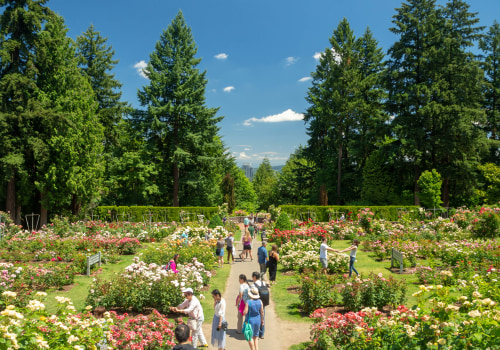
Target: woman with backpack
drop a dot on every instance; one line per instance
(254, 312)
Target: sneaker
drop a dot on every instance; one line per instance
(203, 346)
(261, 337)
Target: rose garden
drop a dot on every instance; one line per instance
(445, 298)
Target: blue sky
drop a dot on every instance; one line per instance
(258, 55)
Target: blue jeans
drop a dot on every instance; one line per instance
(351, 266)
(263, 326)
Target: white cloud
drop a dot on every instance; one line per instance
(140, 67)
(247, 149)
(241, 156)
(228, 88)
(291, 60)
(286, 116)
(304, 79)
(336, 56)
(221, 56)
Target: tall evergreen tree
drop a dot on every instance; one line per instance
(346, 112)
(20, 24)
(95, 58)
(490, 45)
(67, 138)
(181, 128)
(434, 91)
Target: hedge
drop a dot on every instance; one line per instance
(158, 214)
(302, 212)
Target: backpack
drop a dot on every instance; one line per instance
(166, 267)
(264, 294)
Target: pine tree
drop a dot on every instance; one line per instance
(181, 128)
(490, 45)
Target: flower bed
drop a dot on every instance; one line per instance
(143, 286)
(31, 327)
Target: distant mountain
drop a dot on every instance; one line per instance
(277, 168)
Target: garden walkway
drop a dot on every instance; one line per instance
(279, 335)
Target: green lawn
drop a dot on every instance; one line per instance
(287, 303)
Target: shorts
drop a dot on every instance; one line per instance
(247, 247)
(324, 262)
(229, 249)
(221, 252)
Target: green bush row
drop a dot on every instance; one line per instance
(158, 214)
(324, 213)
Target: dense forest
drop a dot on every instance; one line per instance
(381, 126)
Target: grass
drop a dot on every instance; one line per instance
(301, 346)
(287, 303)
(81, 284)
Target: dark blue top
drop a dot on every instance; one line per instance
(262, 254)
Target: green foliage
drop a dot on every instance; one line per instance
(487, 225)
(228, 194)
(296, 179)
(389, 213)
(264, 183)
(430, 189)
(283, 223)
(163, 214)
(377, 292)
(179, 127)
(318, 291)
(491, 191)
(215, 221)
(378, 186)
(490, 45)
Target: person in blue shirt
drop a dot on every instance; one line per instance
(245, 223)
(262, 259)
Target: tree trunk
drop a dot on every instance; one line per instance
(43, 212)
(446, 192)
(339, 173)
(416, 190)
(18, 218)
(75, 205)
(175, 193)
(10, 202)
(323, 195)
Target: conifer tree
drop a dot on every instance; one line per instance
(182, 130)
(20, 24)
(490, 45)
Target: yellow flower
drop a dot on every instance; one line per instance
(442, 341)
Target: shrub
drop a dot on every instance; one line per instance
(317, 291)
(487, 225)
(215, 221)
(375, 291)
(283, 222)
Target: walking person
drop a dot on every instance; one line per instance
(218, 332)
(323, 254)
(251, 230)
(241, 300)
(274, 257)
(220, 251)
(259, 283)
(262, 259)
(254, 312)
(230, 246)
(245, 223)
(353, 250)
(182, 333)
(247, 246)
(191, 306)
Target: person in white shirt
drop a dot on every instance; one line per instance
(241, 301)
(192, 307)
(218, 332)
(323, 254)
